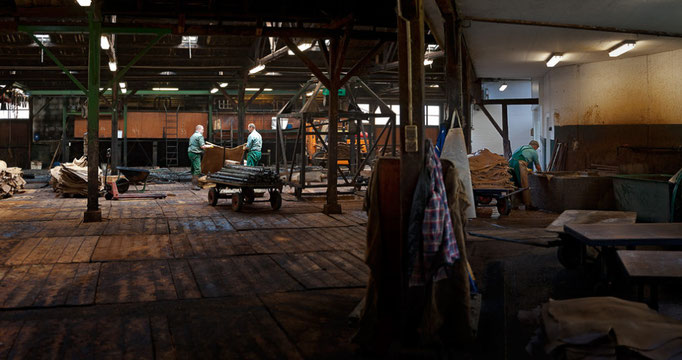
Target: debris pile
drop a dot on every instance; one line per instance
(256, 175)
(489, 171)
(11, 180)
(72, 178)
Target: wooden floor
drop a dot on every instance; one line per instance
(176, 278)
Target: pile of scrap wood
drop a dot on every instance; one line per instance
(72, 178)
(11, 180)
(489, 171)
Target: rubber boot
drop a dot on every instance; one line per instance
(195, 182)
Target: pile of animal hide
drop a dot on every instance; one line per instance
(72, 178)
(489, 171)
(11, 180)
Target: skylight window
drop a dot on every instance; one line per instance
(432, 47)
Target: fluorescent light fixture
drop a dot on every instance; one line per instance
(167, 73)
(272, 73)
(165, 89)
(433, 85)
(214, 90)
(122, 85)
(104, 42)
(309, 93)
(43, 38)
(428, 62)
(503, 87)
(554, 59)
(302, 46)
(622, 48)
(112, 66)
(222, 85)
(83, 2)
(124, 90)
(256, 89)
(257, 68)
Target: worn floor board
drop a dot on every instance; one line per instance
(320, 269)
(155, 226)
(135, 282)
(139, 247)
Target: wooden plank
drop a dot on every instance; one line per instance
(350, 264)
(57, 285)
(135, 247)
(57, 248)
(137, 340)
(591, 217)
(652, 264)
(22, 251)
(183, 280)
(30, 285)
(627, 234)
(181, 246)
(84, 284)
(309, 269)
(86, 249)
(113, 284)
(12, 281)
(8, 333)
(163, 341)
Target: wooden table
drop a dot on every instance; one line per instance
(591, 217)
(650, 268)
(630, 235)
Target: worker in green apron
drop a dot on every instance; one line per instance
(194, 152)
(519, 163)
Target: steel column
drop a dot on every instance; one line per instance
(93, 213)
(115, 149)
(65, 157)
(332, 206)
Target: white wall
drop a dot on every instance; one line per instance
(484, 135)
(637, 90)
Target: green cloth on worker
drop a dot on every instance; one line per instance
(195, 162)
(252, 158)
(196, 141)
(254, 142)
(527, 154)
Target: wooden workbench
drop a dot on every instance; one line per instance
(649, 268)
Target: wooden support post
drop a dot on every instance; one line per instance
(65, 156)
(93, 213)
(411, 82)
(332, 206)
(125, 131)
(453, 70)
(505, 133)
(241, 112)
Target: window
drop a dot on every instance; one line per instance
(364, 107)
(19, 112)
(432, 113)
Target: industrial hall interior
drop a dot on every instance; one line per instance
(393, 179)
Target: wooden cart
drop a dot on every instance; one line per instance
(246, 194)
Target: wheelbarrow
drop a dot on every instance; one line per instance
(116, 189)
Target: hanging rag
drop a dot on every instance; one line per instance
(430, 237)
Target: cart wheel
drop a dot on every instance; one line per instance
(249, 195)
(504, 206)
(108, 196)
(123, 185)
(275, 200)
(237, 201)
(213, 196)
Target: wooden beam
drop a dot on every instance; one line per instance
(311, 65)
(505, 133)
(529, 101)
(492, 119)
(254, 96)
(227, 96)
(311, 99)
(360, 65)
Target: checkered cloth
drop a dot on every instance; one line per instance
(439, 246)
